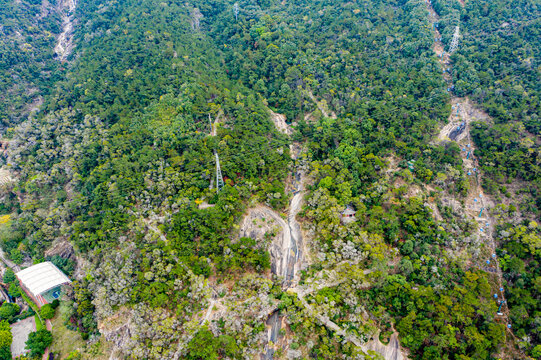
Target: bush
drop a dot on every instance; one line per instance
(55, 303)
(14, 290)
(39, 341)
(5, 341)
(5, 353)
(8, 311)
(47, 311)
(74, 355)
(9, 276)
(16, 256)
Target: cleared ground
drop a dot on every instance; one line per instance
(20, 331)
(64, 339)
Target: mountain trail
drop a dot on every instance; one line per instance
(478, 204)
(288, 261)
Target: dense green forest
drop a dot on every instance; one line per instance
(498, 67)
(119, 164)
(27, 68)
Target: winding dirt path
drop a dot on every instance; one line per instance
(293, 255)
(330, 324)
(478, 204)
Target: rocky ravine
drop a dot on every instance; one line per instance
(64, 43)
(288, 253)
(261, 221)
(282, 236)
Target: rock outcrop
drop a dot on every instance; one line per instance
(390, 351)
(64, 42)
(262, 223)
(62, 248)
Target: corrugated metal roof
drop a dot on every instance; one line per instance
(42, 277)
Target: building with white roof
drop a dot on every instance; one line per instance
(348, 215)
(42, 282)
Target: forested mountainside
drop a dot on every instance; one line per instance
(28, 32)
(380, 168)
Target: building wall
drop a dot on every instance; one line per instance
(40, 301)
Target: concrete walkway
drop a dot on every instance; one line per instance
(20, 331)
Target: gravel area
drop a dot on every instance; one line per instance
(20, 331)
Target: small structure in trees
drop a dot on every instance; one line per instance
(348, 215)
(42, 282)
(411, 165)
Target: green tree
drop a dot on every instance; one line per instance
(5, 353)
(407, 248)
(6, 339)
(9, 276)
(38, 341)
(205, 346)
(536, 352)
(47, 311)
(8, 310)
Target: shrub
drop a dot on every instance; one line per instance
(8, 311)
(47, 311)
(39, 341)
(9, 276)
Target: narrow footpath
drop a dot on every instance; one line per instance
(478, 204)
(293, 255)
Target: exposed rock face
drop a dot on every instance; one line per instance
(61, 248)
(118, 329)
(322, 108)
(5, 177)
(196, 18)
(294, 354)
(64, 43)
(391, 351)
(261, 223)
(279, 121)
(462, 114)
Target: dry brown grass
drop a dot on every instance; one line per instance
(64, 339)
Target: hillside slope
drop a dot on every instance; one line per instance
(311, 107)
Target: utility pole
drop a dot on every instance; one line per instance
(219, 178)
(454, 42)
(236, 10)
